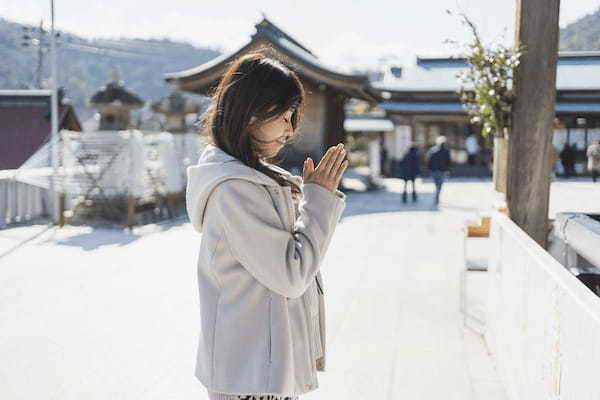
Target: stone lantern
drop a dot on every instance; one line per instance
(175, 107)
(114, 102)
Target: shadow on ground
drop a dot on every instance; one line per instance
(382, 201)
(97, 237)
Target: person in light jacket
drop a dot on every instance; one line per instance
(593, 155)
(438, 162)
(265, 233)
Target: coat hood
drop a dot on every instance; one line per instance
(215, 166)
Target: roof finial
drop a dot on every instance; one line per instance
(115, 75)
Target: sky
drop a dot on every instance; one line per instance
(346, 34)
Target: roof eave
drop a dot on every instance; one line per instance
(313, 71)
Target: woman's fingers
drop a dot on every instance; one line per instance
(330, 158)
(340, 172)
(324, 162)
(330, 168)
(337, 162)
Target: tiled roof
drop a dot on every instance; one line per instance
(356, 85)
(575, 70)
(429, 87)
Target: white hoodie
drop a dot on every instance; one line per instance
(258, 269)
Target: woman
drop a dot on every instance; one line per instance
(264, 235)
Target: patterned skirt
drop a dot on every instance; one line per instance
(227, 396)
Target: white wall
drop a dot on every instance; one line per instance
(398, 141)
(374, 156)
(543, 325)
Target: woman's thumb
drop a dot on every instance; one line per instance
(308, 167)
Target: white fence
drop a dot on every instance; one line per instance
(102, 166)
(543, 324)
(19, 201)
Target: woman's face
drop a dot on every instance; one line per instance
(270, 136)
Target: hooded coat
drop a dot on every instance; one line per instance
(410, 166)
(259, 282)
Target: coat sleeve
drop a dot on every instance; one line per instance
(284, 261)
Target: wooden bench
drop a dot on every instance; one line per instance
(481, 230)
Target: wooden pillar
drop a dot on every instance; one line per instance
(374, 156)
(61, 209)
(334, 120)
(130, 211)
(533, 112)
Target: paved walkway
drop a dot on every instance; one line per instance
(107, 314)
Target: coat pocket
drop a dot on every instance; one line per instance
(319, 284)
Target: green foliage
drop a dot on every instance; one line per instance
(358, 153)
(484, 89)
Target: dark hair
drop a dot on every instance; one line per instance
(253, 85)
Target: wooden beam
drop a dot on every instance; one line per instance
(334, 122)
(530, 138)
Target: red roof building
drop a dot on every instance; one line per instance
(25, 124)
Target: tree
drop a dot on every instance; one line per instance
(485, 93)
(533, 113)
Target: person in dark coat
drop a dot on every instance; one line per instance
(567, 159)
(439, 164)
(410, 168)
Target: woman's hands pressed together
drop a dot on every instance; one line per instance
(330, 169)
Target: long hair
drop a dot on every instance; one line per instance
(259, 86)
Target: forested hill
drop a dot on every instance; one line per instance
(583, 34)
(86, 64)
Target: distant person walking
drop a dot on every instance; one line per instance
(439, 164)
(410, 168)
(472, 146)
(567, 159)
(593, 155)
(383, 157)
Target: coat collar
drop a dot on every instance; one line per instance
(212, 153)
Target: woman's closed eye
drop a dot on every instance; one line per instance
(281, 139)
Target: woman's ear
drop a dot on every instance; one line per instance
(252, 119)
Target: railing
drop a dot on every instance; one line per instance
(576, 241)
(20, 202)
(102, 175)
(543, 324)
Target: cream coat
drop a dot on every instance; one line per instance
(259, 282)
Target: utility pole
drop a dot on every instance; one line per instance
(40, 56)
(533, 113)
(54, 195)
(36, 37)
